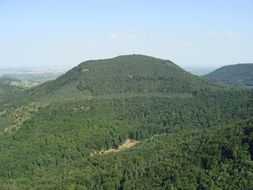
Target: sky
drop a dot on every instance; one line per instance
(60, 34)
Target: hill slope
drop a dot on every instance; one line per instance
(240, 75)
(8, 92)
(191, 134)
(120, 75)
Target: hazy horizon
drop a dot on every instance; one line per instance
(198, 70)
(62, 34)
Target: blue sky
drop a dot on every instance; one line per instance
(61, 33)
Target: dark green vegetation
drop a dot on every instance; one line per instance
(8, 92)
(240, 75)
(193, 135)
(130, 75)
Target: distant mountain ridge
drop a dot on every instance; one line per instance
(239, 75)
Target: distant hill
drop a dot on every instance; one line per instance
(11, 81)
(199, 70)
(120, 75)
(27, 78)
(240, 75)
(8, 80)
(33, 77)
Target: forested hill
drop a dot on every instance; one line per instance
(240, 75)
(70, 133)
(120, 75)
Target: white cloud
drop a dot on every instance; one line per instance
(229, 34)
(131, 34)
(212, 33)
(113, 35)
(90, 45)
(155, 34)
(187, 44)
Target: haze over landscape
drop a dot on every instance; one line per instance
(61, 34)
(126, 95)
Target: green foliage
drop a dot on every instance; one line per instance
(58, 141)
(120, 75)
(240, 75)
(9, 95)
(193, 135)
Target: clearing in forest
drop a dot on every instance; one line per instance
(127, 144)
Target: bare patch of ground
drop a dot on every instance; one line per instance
(127, 144)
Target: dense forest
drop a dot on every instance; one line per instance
(240, 75)
(191, 134)
(9, 94)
